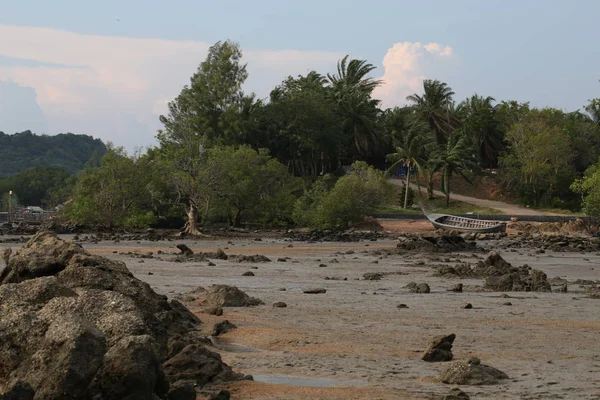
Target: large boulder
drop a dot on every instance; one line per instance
(440, 348)
(73, 326)
(221, 296)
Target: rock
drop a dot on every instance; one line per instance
(222, 327)
(561, 289)
(467, 306)
(279, 304)
(218, 311)
(440, 349)
(249, 273)
(373, 276)
(472, 373)
(322, 265)
(456, 394)
(221, 255)
(222, 296)
(315, 291)
(220, 395)
(281, 259)
(437, 242)
(197, 364)
(508, 303)
(185, 250)
(211, 264)
(402, 306)
(182, 390)
(458, 288)
(411, 285)
(256, 258)
(420, 288)
(91, 329)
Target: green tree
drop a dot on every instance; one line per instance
(112, 193)
(36, 185)
(589, 188)
(410, 150)
(204, 113)
(479, 123)
(538, 153)
(250, 182)
(435, 107)
(456, 156)
(350, 198)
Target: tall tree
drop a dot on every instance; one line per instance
(479, 123)
(454, 157)
(410, 150)
(435, 106)
(206, 112)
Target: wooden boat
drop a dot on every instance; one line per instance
(461, 224)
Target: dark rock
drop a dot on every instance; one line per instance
(402, 306)
(420, 288)
(279, 304)
(373, 276)
(222, 327)
(508, 303)
(185, 250)
(220, 395)
(281, 259)
(461, 373)
(218, 311)
(198, 364)
(458, 288)
(211, 264)
(315, 291)
(456, 394)
(440, 349)
(256, 258)
(467, 306)
(221, 255)
(182, 390)
(249, 273)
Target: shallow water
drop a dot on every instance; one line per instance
(295, 380)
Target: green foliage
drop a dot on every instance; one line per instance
(39, 186)
(350, 198)
(112, 194)
(139, 219)
(589, 189)
(68, 152)
(404, 198)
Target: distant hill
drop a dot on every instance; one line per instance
(66, 151)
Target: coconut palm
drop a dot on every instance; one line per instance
(410, 150)
(352, 75)
(436, 107)
(455, 156)
(479, 122)
(359, 114)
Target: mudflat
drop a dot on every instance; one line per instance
(352, 341)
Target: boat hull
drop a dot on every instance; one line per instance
(461, 224)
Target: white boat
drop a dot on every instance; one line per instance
(462, 224)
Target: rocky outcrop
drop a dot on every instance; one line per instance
(437, 242)
(74, 325)
(472, 372)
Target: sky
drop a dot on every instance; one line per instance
(109, 68)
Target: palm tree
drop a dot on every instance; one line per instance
(410, 150)
(479, 122)
(351, 75)
(593, 109)
(359, 114)
(454, 157)
(435, 106)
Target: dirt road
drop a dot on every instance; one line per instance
(506, 208)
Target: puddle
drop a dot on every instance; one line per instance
(295, 380)
(229, 347)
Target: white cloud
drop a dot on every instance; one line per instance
(405, 67)
(115, 87)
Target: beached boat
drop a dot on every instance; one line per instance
(461, 224)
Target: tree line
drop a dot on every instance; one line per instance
(225, 155)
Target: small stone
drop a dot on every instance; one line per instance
(315, 291)
(150, 273)
(440, 348)
(508, 303)
(211, 264)
(456, 394)
(421, 288)
(249, 273)
(372, 276)
(458, 288)
(222, 327)
(402, 306)
(467, 306)
(322, 265)
(334, 261)
(281, 259)
(218, 311)
(279, 304)
(282, 289)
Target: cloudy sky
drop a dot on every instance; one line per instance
(108, 68)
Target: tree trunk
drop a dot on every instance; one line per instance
(448, 190)
(430, 186)
(191, 226)
(407, 186)
(237, 221)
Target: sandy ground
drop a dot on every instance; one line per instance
(354, 343)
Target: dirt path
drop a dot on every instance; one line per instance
(506, 208)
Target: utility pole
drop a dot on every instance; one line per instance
(10, 209)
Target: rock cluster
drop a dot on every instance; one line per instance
(436, 242)
(336, 236)
(74, 325)
(500, 275)
(558, 243)
(216, 296)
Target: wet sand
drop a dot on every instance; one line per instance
(354, 343)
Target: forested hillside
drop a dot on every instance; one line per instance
(66, 151)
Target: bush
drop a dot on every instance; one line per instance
(140, 220)
(411, 197)
(350, 198)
